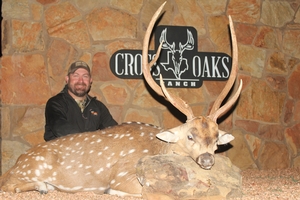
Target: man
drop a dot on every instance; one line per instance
(73, 110)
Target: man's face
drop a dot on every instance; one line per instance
(79, 82)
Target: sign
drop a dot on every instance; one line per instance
(180, 63)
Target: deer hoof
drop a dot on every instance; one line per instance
(18, 190)
(43, 191)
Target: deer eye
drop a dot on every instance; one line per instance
(190, 138)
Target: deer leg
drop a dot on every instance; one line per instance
(39, 186)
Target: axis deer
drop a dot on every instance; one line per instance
(104, 161)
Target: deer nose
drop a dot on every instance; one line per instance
(206, 160)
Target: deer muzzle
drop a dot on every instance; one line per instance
(206, 160)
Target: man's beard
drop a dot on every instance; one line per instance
(79, 92)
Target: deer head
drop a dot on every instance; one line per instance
(199, 136)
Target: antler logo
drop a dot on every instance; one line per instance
(176, 53)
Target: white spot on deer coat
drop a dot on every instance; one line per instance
(145, 151)
(99, 140)
(99, 153)
(142, 134)
(69, 167)
(45, 165)
(105, 148)
(102, 188)
(122, 174)
(112, 181)
(108, 165)
(91, 151)
(34, 179)
(37, 172)
(131, 138)
(99, 171)
(39, 158)
(122, 153)
(131, 151)
(87, 167)
(89, 189)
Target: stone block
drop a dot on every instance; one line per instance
(11, 150)
(289, 45)
(270, 7)
(108, 24)
(274, 156)
(28, 71)
(244, 11)
(115, 94)
(293, 83)
(240, 155)
(133, 6)
(101, 69)
(260, 102)
(179, 177)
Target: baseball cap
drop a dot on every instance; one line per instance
(78, 64)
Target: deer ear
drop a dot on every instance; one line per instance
(224, 137)
(167, 136)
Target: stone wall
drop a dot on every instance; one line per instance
(40, 38)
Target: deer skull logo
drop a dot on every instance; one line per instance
(176, 52)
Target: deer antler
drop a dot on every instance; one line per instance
(178, 103)
(216, 111)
